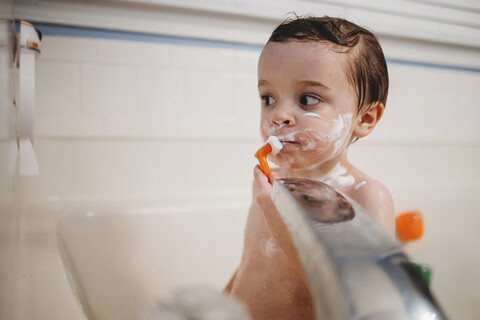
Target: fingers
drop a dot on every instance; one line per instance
(260, 176)
(273, 177)
(262, 187)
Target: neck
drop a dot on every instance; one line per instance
(335, 172)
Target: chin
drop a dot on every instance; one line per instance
(291, 164)
(295, 162)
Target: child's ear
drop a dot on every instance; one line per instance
(368, 119)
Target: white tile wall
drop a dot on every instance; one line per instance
(137, 54)
(199, 58)
(133, 89)
(69, 49)
(430, 105)
(58, 89)
(133, 169)
(153, 83)
(210, 97)
(133, 121)
(72, 126)
(108, 90)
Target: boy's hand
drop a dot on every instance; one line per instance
(262, 187)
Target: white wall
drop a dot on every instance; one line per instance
(181, 108)
(141, 124)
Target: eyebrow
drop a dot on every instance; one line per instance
(314, 84)
(262, 83)
(309, 83)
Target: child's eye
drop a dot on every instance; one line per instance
(308, 100)
(268, 100)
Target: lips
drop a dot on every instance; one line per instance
(292, 139)
(289, 142)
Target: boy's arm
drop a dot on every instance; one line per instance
(378, 202)
(384, 212)
(262, 190)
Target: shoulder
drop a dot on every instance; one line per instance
(377, 200)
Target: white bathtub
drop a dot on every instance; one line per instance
(118, 263)
(125, 257)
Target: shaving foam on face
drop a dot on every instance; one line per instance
(314, 115)
(336, 132)
(340, 124)
(340, 131)
(325, 139)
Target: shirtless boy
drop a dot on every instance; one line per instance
(323, 83)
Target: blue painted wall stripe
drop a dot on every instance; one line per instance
(72, 31)
(433, 65)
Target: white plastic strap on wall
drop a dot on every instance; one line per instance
(28, 50)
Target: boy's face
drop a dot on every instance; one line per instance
(307, 102)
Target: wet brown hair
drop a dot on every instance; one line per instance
(367, 70)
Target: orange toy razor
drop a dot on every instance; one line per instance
(272, 144)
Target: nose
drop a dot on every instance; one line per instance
(284, 122)
(282, 118)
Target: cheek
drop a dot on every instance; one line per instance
(265, 129)
(324, 134)
(323, 140)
